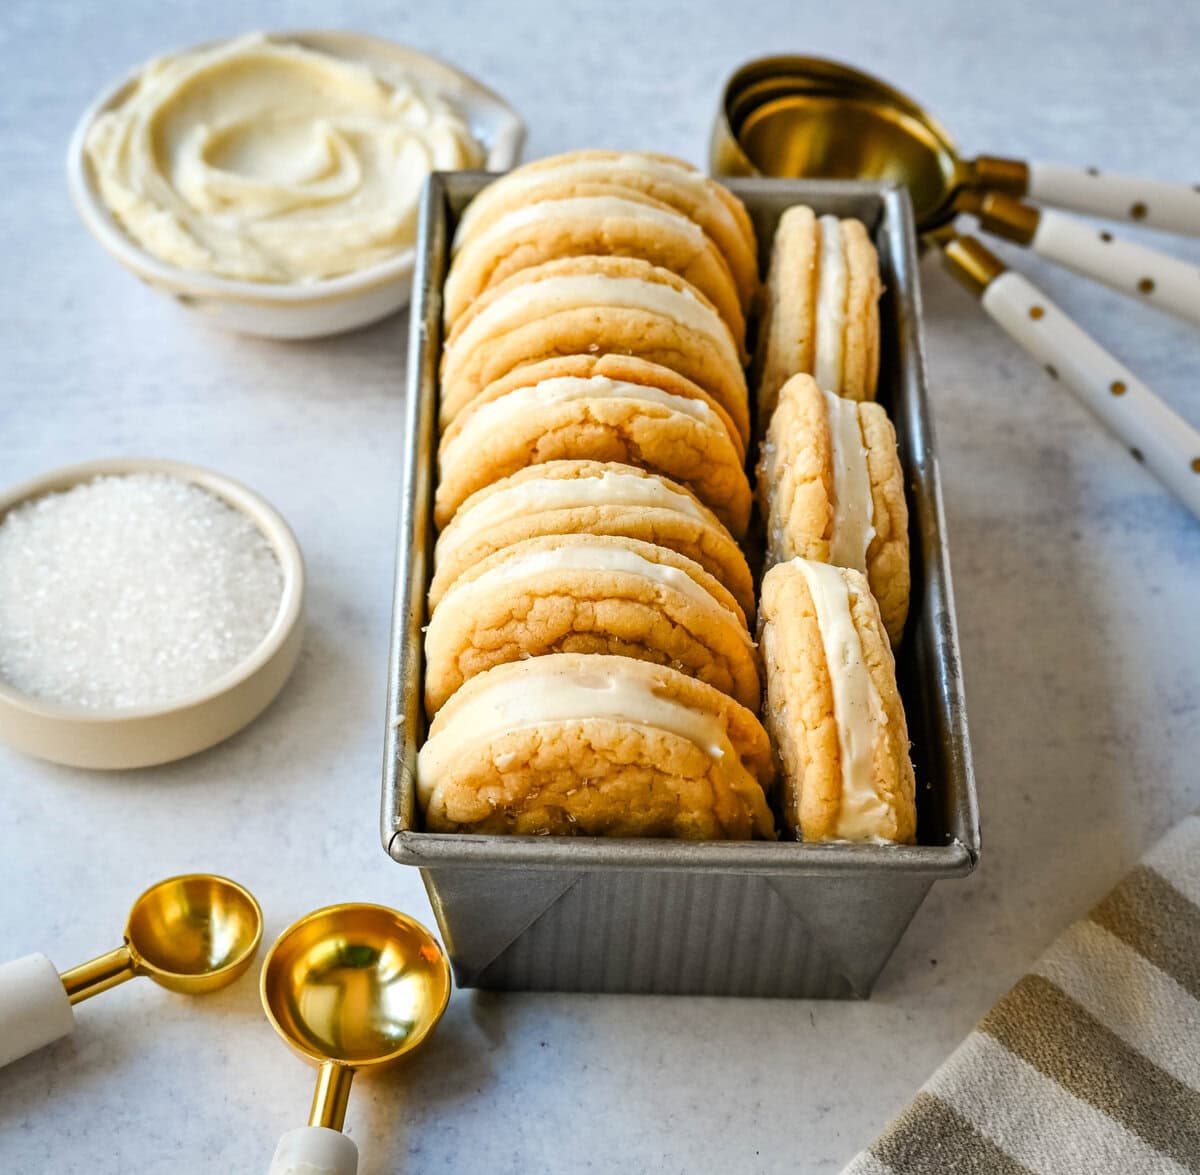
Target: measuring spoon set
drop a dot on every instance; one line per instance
(348, 987)
(806, 117)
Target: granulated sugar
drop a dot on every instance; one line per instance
(130, 590)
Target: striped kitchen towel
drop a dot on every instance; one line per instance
(1091, 1064)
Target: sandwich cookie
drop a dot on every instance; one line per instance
(580, 408)
(589, 594)
(594, 746)
(589, 497)
(705, 202)
(820, 309)
(627, 224)
(593, 306)
(833, 708)
(831, 489)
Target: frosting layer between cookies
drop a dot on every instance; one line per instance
(590, 209)
(587, 557)
(857, 708)
(588, 169)
(566, 493)
(832, 288)
(578, 291)
(546, 694)
(853, 507)
(495, 415)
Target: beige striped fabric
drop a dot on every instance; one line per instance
(1091, 1064)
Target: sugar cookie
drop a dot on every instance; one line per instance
(833, 708)
(571, 744)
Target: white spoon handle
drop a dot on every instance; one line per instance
(315, 1150)
(1146, 274)
(1169, 446)
(34, 1008)
(1174, 208)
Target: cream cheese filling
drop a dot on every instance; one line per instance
(589, 209)
(832, 283)
(563, 493)
(552, 690)
(853, 506)
(857, 708)
(598, 170)
(537, 299)
(570, 556)
(263, 160)
(497, 415)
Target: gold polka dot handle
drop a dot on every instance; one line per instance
(1166, 283)
(1152, 432)
(1155, 278)
(1174, 208)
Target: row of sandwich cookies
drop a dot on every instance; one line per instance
(589, 663)
(849, 283)
(835, 593)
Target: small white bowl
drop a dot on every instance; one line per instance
(144, 736)
(296, 311)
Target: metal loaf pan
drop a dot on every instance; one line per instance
(721, 918)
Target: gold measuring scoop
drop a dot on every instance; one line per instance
(804, 117)
(191, 934)
(819, 117)
(349, 987)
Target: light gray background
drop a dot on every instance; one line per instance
(1076, 578)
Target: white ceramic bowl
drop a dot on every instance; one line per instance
(322, 308)
(142, 737)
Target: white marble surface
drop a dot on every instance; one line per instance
(1076, 576)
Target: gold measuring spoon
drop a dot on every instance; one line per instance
(805, 116)
(349, 987)
(191, 934)
(801, 107)
(794, 117)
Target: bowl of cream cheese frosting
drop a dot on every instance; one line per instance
(272, 181)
